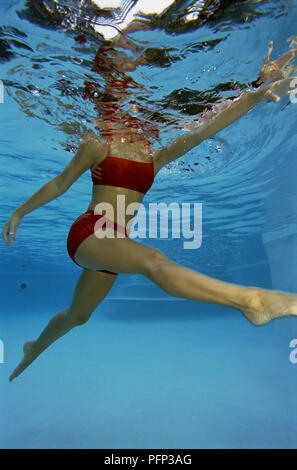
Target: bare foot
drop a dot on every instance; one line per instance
(266, 305)
(25, 362)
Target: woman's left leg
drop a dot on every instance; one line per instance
(125, 255)
(91, 288)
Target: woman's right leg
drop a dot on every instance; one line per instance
(91, 288)
(125, 255)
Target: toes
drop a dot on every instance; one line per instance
(11, 377)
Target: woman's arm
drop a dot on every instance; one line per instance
(238, 108)
(83, 160)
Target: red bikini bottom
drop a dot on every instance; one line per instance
(83, 227)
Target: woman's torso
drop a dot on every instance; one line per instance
(124, 146)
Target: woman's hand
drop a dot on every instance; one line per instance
(276, 90)
(281, 67)
(11, 227)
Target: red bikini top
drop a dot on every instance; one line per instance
(124, 173)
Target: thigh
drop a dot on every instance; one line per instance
(121, 255)
(91, 288)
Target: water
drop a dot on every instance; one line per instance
(148, 370)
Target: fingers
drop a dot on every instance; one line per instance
(7, 233)
(272, 96)
(9, 238)
(4, 232)
(292, 40)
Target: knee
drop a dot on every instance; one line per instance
(154, 263)
(77, 318)
(80, 321)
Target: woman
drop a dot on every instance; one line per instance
(122, 165)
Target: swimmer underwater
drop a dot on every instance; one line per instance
(122, 163)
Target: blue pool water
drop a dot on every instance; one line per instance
(149, 370)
